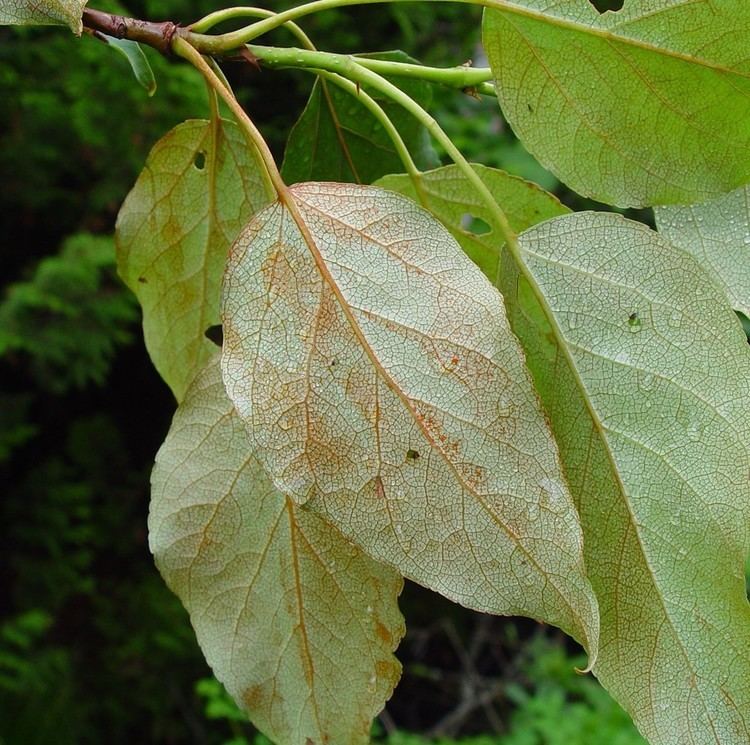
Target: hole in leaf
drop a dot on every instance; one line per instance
(745, 321)
(200, 160)
(215, 334)
(411, 454)
(602, 6)
(474, 224)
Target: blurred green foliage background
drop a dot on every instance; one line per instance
(93, 647)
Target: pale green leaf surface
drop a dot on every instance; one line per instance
(201, 184)
(717, 234)
(645, 374)
(336, 137)
(649, 105)
(298, 623)
(381, 386)
(43, 13)
(137, 60)
(451, 198)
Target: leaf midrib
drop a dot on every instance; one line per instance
(328, 278)
(600, 429)
(302, 626)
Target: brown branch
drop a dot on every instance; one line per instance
(156, 35)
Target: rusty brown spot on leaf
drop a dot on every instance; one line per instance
(279, 274)
(170, 229)
(383, 669)
(383, 633)
(254, 697)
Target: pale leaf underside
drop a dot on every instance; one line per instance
(201, 184)
(43, 13)
(717, 234)
(452, 199)
(296, 621)
(645, 373)
(649, 105)
(382, 386)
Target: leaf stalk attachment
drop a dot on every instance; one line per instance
(185, 50)
(349, 67)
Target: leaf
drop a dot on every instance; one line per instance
(452, 199)
(717, 234)
(645, 375)
(296, 622)
(201, 184)
(649, 105)
(137, 59)
(337, 139)
(43, 13)
(381, 386)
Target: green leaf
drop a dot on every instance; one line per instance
(337, 139)
(454, 201)
(645, 375)
(137, 59)
(382, 387)
(201, 184)
(296, 622)
(717, 234)
(649, 105)
(43, 13)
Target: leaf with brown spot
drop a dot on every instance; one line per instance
(297, 622)
(174, 232)
(426, 363)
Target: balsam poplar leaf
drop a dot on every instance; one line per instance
(297, 622)
(201, 184)
(382, 387)
(645, 373)
(648, 105)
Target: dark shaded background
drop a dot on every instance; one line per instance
(93, 647)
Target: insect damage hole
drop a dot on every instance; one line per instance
(474, 224)
(215, 334)
(200, 160)
(602, 6)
